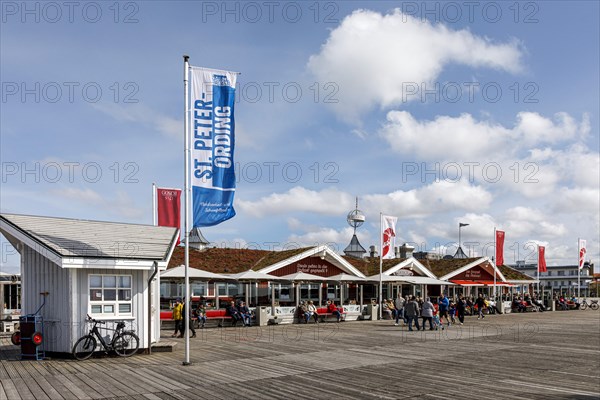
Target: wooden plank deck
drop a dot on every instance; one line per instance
(516, 356)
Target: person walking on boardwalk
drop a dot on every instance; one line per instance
(191, 322)
(411, 312)
(399, 303)
(178, 317)
(427, 313)
(461, 307)
(444, 305)
(480, 303)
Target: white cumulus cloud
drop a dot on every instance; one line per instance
(386, 52)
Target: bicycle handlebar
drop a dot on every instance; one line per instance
(90, 319)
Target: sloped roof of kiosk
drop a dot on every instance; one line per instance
(93, 239)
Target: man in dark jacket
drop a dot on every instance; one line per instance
(233, 312)
(245, 313)
(461, 306)
(411, 312)
(443, 307)
(480, 303)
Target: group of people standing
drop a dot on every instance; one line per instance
(410, 308)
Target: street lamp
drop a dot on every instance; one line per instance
(460, 225)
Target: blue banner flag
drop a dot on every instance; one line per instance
(212, 131)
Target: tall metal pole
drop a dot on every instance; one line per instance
(186, 177)
(538, 268)
(579, 265)
(494, 259)
(380, 266)
(154, 217)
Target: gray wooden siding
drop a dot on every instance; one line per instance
(41, 275)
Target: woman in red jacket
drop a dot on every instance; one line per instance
(333, 310)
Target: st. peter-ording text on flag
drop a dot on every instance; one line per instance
(212, 131)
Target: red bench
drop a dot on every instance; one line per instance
(217, 315)
(211, 315)
(324, 313)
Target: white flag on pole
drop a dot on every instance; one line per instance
(388, 236)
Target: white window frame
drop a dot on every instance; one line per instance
(114, 303)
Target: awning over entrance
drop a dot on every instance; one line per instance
(425, 280)
(479, 283)
(466, 283)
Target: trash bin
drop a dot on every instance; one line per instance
(262, 316)
(373, 311)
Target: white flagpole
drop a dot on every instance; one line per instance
(154, 217)
(538, 268)
(495, 261)
(578, 268)
(186, 177)
(380, 266)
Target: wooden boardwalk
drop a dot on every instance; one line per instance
(552, 355)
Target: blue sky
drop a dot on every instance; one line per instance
(92, 105)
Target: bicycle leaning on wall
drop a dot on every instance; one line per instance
(124, 343)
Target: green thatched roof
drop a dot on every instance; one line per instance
(512, 274)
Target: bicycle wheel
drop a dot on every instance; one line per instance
(84, 347)
(595, 306)
(583, 306)
(126, 344)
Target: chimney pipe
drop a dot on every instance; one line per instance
(373, 251)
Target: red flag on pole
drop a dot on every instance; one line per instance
(542, 259)
(582, 251)
(499, 247)
(168, 207)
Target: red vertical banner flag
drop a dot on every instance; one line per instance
(499, 247)
(168, 207)
(542, 259)
(582, 251)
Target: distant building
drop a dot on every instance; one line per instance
(427, 255)
(197, 240)
(10, 294)
(560, 278)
